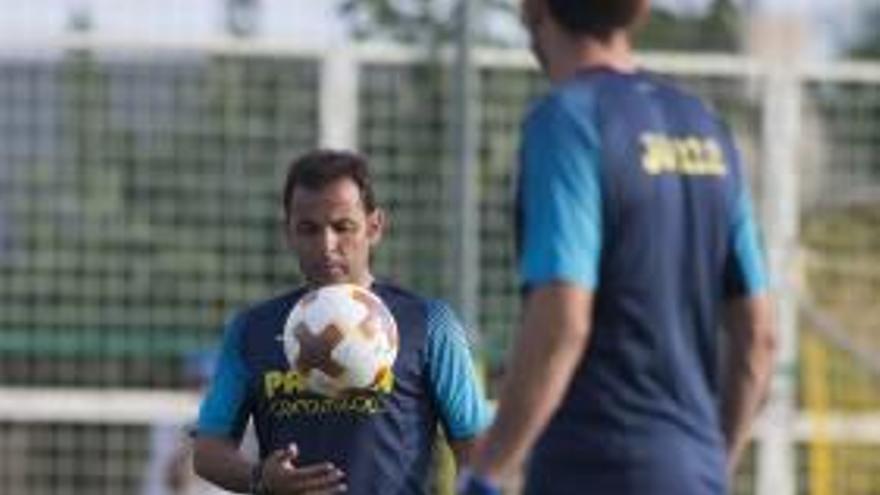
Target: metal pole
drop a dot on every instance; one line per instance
(776, 462)
(338, 108)
(466, 139)
(778, 41)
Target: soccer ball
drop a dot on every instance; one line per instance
(341, 339)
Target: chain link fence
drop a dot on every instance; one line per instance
(139, 206)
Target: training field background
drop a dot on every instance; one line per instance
(139, 181)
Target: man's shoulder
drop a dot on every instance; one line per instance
(390, 290)
(397, 296)
(271, 308)
(556, 100)
(569, 104)
(676, 94)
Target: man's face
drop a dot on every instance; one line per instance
(332, 233)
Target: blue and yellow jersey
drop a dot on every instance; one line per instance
(633, 190)
(382, 441)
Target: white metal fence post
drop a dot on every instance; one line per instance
(776, 457)
(466, 142)
(339, 100)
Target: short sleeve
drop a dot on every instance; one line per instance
(745, 273)
(460, 401)
(560, 199)
(224, 409)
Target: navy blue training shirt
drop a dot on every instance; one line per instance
(633, 190)
(382, 442)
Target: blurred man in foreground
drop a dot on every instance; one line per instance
(636, 242)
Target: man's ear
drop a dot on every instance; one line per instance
(376, 225)
(533, 12)
(287, 232)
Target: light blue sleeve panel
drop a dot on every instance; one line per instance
(224, 410)
(560, 199)
(745, 273)
(459, 397)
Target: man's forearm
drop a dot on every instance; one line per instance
(750, 360)
(546, 353)
(220, 462)
(743, 399)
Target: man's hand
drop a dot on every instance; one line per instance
(281, 475)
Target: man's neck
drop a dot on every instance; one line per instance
(576, 54)
(366, 282)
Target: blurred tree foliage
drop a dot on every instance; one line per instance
(867, 44)
(422, 21)
(717, 30)
(433, 21)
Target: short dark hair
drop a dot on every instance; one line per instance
(319, 168)
(595, 18)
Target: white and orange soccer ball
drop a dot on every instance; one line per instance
(341, 339)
